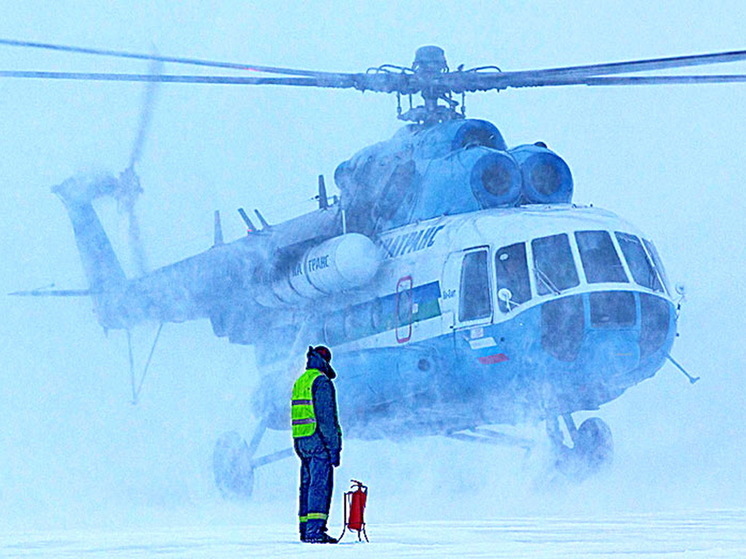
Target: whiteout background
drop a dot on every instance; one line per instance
(76, 455)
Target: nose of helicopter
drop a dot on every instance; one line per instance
(605, 341)
(568, 322)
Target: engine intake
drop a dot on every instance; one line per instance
(546, 177)
(496, 180)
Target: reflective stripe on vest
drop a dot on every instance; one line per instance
(301, 409)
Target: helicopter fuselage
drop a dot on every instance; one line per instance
(494, 317)
(455, 281)
(457, 285)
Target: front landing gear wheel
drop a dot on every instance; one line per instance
(594, 445)
(592, 451)
(231, 463)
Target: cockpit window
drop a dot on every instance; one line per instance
(554, 267)
(475, 301)
(512, 274)
(657, 261)
(600, 260)
(639, 264)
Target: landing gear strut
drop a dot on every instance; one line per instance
(592, 450)
(233, 462)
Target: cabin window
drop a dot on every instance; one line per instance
(474, 302)
(404, 302)
(656, 261)
(563, 327)
(381, 316)
(655, 317)
(554, 266)
(639, 264)
(600, 261)
(512, 274)
(612, 309)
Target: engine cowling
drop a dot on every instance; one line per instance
(466, 181)
(450, 137)
(546, 176)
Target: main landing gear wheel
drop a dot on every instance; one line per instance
(592, 450)
(234, 463)
(231, 463)
(594, 444)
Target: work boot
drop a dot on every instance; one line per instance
(323, 538)
(316, 532)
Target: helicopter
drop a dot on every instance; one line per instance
(458, 285)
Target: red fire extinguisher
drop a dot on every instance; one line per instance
(354, 509)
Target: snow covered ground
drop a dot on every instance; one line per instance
(706, 534)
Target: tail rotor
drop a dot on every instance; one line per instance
(128, 187)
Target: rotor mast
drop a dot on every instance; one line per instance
(429, 65)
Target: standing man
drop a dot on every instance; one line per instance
(317, 439)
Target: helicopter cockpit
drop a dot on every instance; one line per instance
(584, 280)
(552, 262)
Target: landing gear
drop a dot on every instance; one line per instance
(594, 443)
(592, 450)
(233, 463)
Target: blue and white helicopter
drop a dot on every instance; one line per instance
(457, 284)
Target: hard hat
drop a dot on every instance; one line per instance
(324, 352)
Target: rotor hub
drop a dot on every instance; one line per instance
(430, 60)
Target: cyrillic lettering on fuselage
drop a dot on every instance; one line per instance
(412, 241)
(318, 263)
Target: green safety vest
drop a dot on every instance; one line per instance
(302, 412)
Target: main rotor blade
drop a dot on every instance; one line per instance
(55, 293)
(335, 81)
(174, 59)
(384, 81)
(485, 82)
(630, 66)
(636, 80)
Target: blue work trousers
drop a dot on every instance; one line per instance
(316, 485)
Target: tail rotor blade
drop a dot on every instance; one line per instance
(146, 114)
(129, 182)
(135, 242)
(127, 192)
